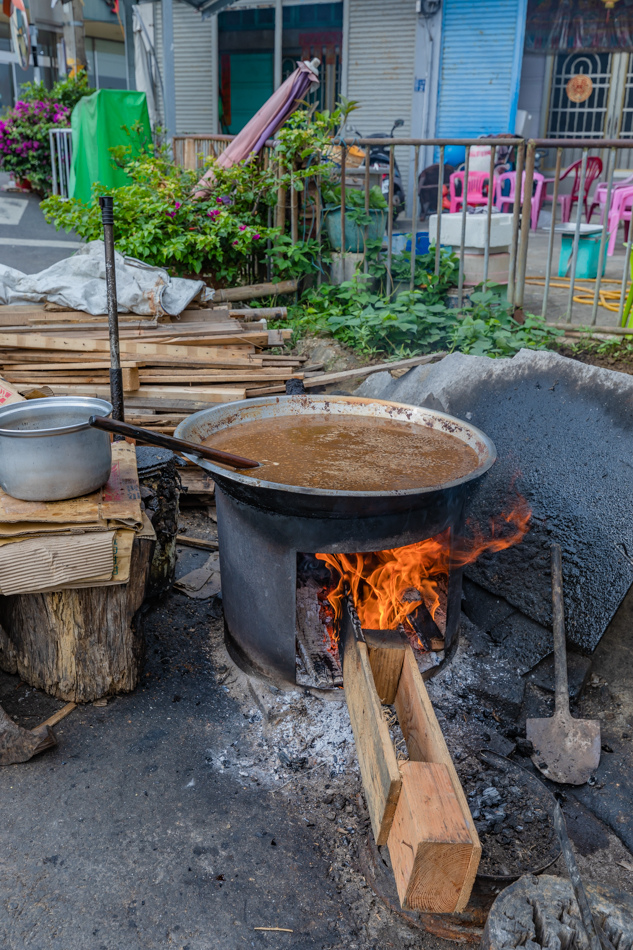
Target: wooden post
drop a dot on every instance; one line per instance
(280, 210)
(294, 212)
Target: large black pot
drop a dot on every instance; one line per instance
(263, 525)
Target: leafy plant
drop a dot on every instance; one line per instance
(24, 140)
(353, 197)
(410, 324)
(434, 286)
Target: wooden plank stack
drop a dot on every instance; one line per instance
(170, 369)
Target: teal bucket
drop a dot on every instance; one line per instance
(354, 233)
(588, 256)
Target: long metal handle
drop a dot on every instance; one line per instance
(596, 942)
(106, 204)
(560, 647)
(168, 442)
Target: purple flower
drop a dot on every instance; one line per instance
(171, 214)
(256, 237)
(242, 227)
(177, 205)
(213, 214)
(234, 243)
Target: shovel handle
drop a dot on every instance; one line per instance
(560, 646)
(168, 442)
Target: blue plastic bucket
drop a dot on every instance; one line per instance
(421, 243)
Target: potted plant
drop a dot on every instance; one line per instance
(361, 226)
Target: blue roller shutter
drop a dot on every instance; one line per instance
(482, 50)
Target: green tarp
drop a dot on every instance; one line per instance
(96, 124)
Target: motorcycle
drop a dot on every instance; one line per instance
(379, 161)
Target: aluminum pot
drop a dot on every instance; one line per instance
(48, 452)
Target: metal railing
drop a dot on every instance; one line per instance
(518, 278)
(61, 145)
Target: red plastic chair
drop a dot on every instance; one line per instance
(478, 185)
(594, 170)
(503, 201)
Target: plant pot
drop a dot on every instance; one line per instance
(354, 233)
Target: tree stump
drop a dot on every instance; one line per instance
(81, 644)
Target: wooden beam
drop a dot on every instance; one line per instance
(130, 378)
(368, 370)
(255, 290)
(170, 394)
(59, 715)
(429, 844)
(80, 345)
(425, 743)
(376, 757)
(386, 656)
(201, 543)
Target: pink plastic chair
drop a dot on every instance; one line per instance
(503, 201)
(599, 199)
(478, 184)
(620, 210)
(594, 170)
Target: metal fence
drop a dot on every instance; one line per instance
(526, 154)
(61, 144)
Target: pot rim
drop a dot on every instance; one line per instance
(486, 446)
(93, 406)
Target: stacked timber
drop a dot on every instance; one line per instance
(170, 369)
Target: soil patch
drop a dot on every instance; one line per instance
(619, 359)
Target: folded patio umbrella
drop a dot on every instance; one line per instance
(266, 122)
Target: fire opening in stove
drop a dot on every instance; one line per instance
(414, 590)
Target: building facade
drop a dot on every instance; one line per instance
(109, 55)
(447, 68)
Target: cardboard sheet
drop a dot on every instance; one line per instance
(42, 563)
(8, 393)
(123, 545)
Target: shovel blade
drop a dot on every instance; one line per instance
(566, 750)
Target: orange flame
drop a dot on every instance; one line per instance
(387, 586)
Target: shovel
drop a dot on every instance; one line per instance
(566, 750)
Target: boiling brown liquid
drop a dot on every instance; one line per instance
(347, 453)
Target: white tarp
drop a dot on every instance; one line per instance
(78, 282)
